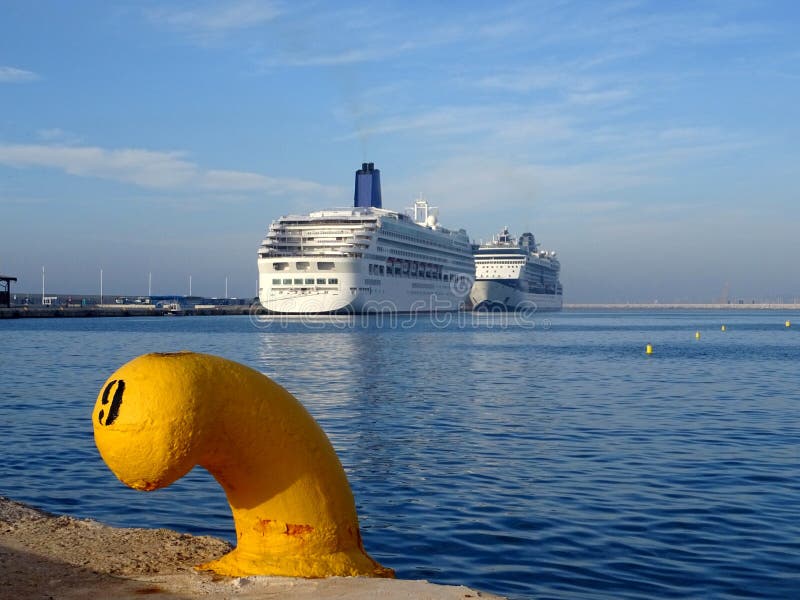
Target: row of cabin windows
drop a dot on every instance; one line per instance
(407, 268)
(306, 281)
(539, 279)
(498, 262)
(304, 266)
(416, 240)
(400, 252)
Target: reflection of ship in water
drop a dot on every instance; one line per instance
(406, 426)
(515, 274)
(344, 391)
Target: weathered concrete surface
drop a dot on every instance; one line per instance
(49, 556)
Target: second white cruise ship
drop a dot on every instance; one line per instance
(516, 275)
(364, 259)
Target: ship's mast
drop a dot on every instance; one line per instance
(420, 210)
(423, 210)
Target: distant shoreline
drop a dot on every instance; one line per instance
(138, 310)
(680, 306)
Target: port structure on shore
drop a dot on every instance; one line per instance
(89, 305)
(5, 290)
(118, 310)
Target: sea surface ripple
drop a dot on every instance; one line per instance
(542, 458)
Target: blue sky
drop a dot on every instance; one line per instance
(653, 145)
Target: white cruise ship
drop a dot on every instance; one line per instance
(364, 259)
(514, 275)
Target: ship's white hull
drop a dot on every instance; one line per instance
(506, 296)
(356, 291)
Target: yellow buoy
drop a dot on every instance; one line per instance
(648, 349)
(788, 323)
(160, 415)
(723, 328)
(697, 335)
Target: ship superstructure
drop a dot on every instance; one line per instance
(514, 274)
(364, 258)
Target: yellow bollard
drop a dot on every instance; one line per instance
(160, 415)
(697, 335)
(723, 328)
(648, 349)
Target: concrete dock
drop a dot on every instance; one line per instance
(55, 556)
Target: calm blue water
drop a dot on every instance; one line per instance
(547, 459)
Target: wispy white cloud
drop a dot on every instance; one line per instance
(586, 81)
(466, 183)
(377, 49)
(445, 120)
(489, 126)
(333, 35)
(141, 167)
(564, 168)
(594, 97)
(156, 170)
(531, 128)
(15, 75)
(346, 57)
(243, 181)
(217, 18)
(576, 83)
(58, 136)
(687, 134)
(606, 45)
(635, 25)
(526, 80)
(502, 30)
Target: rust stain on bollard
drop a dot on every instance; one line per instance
(161, 414)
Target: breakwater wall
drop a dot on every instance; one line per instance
(678, 306)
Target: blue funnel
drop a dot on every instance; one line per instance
(368, 187)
